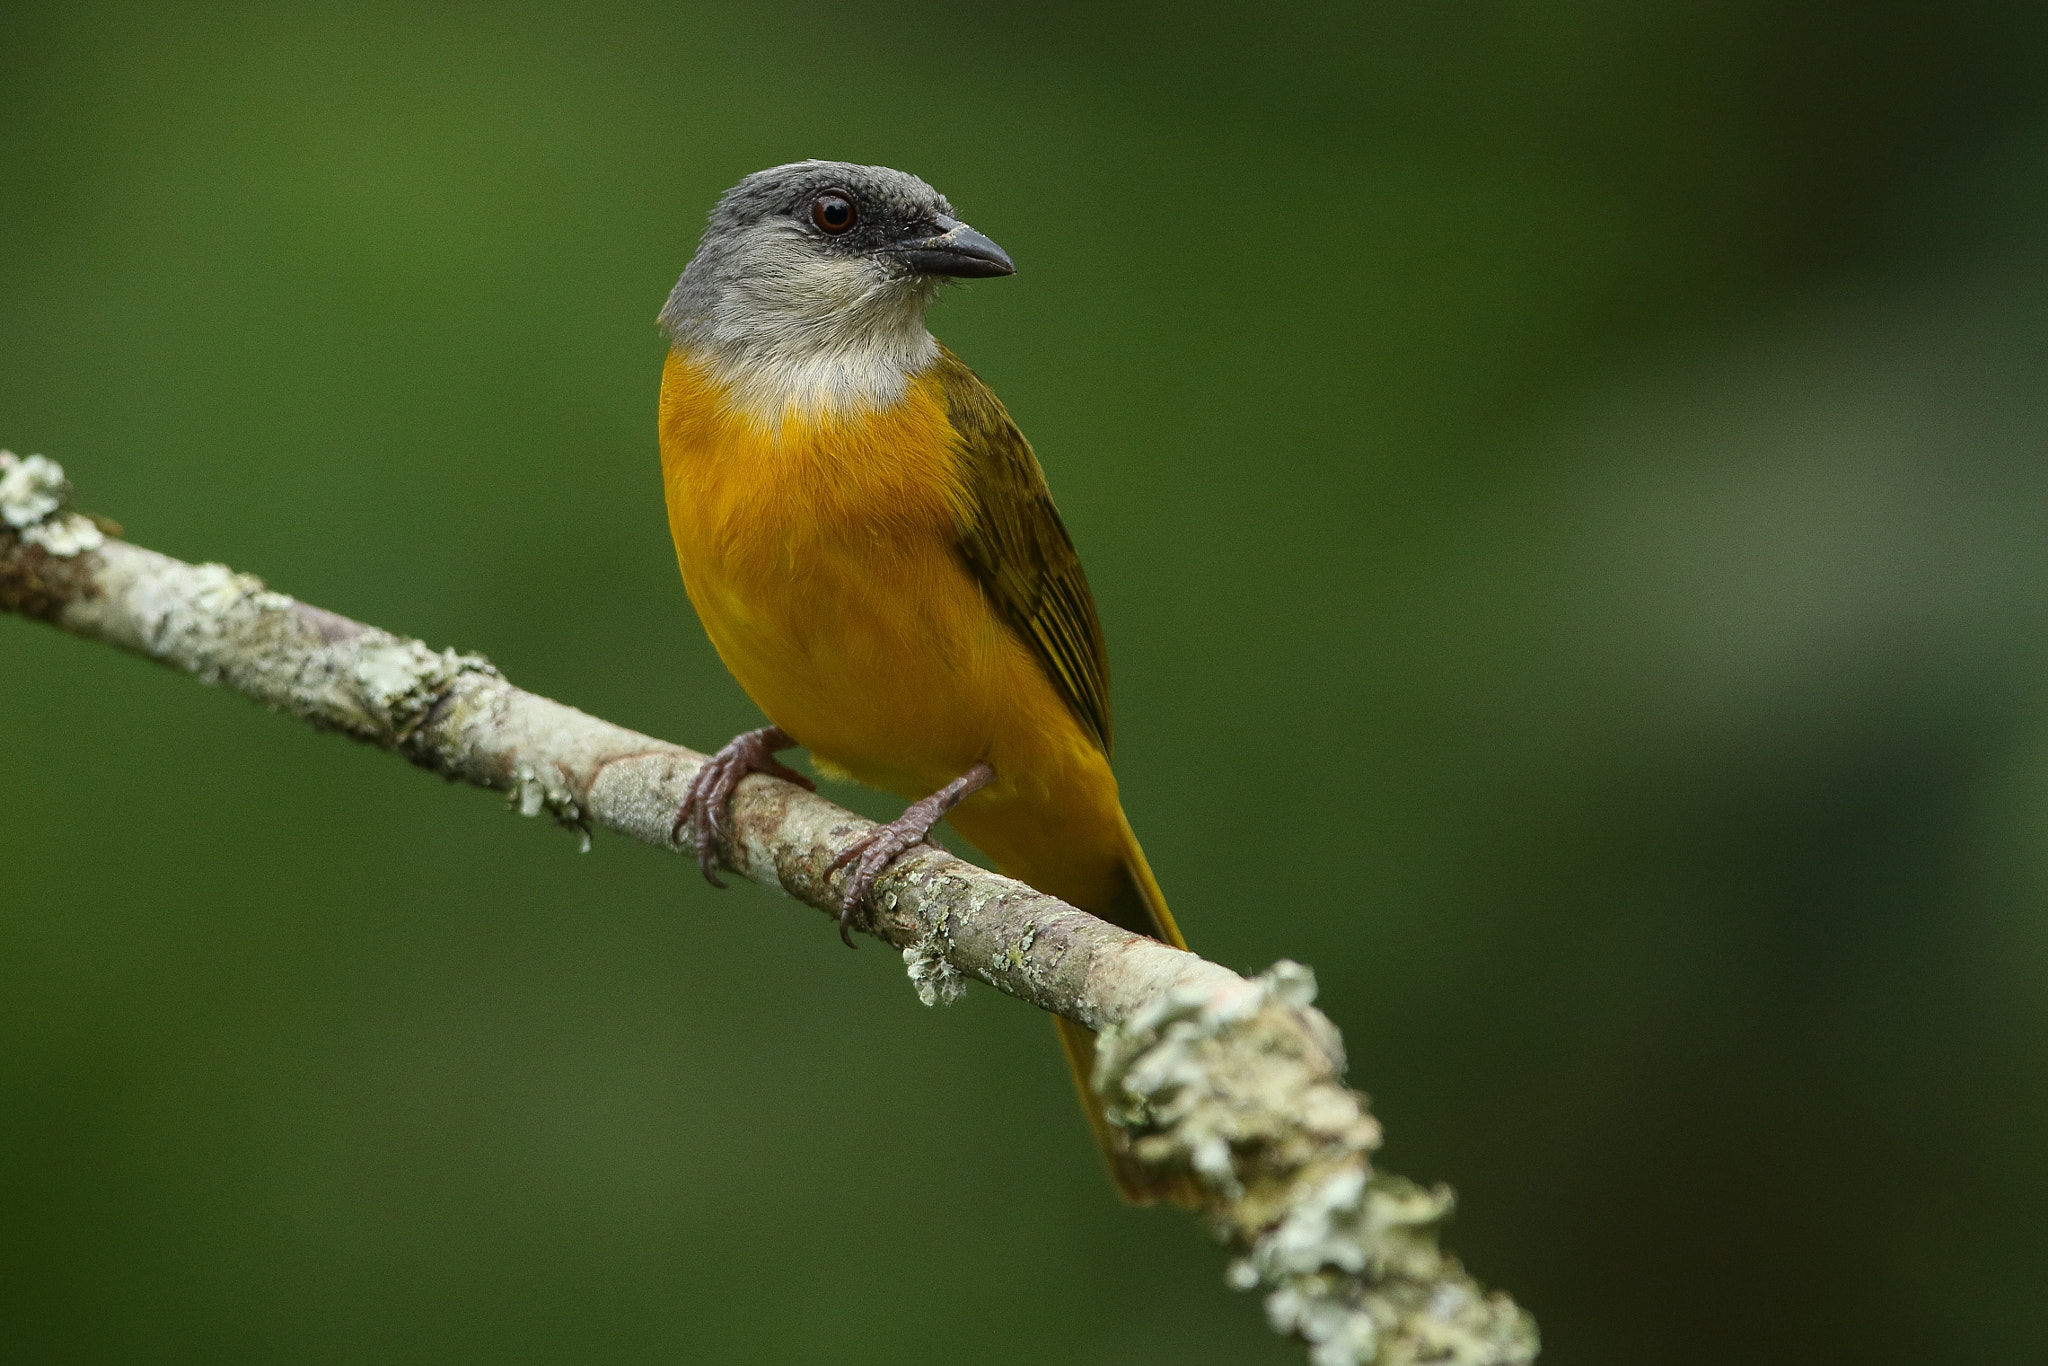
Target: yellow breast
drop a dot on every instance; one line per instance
(820, 554)
(823, 557)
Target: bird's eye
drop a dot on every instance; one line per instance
(833, 212)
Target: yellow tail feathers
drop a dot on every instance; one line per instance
(1140, 907)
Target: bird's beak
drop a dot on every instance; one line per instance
(958, 250)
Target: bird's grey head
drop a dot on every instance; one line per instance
(811, 283)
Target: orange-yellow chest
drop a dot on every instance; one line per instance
(820, 553)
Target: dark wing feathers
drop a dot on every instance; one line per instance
(1017, 546)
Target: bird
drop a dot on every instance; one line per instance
(870, 543)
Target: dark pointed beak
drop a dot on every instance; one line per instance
(958, 250)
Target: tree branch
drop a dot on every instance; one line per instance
(1237, 1081)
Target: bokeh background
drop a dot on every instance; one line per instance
(1565, 487)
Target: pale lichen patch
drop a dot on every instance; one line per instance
(65, 536)
(937, 982)
(932, 974)
(1242, 1089)
(31, 488)
(33, 497)
(393, 672)
(535, 790)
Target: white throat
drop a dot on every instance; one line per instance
(811, 337)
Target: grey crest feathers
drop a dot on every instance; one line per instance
(763, 224)
(788, 315)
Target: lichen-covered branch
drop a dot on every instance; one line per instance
(1236, 1081)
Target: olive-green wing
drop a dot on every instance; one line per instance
(1013, 538)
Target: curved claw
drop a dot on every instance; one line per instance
(884, 844)
(875, 851)
(708, 799)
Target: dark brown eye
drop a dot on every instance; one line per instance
(833, 212)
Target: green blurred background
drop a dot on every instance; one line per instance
(1564, 483)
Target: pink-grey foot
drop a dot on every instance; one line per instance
(708, 800)
(884, 844)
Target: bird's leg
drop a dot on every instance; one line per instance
(708, 799)
(881, 846)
